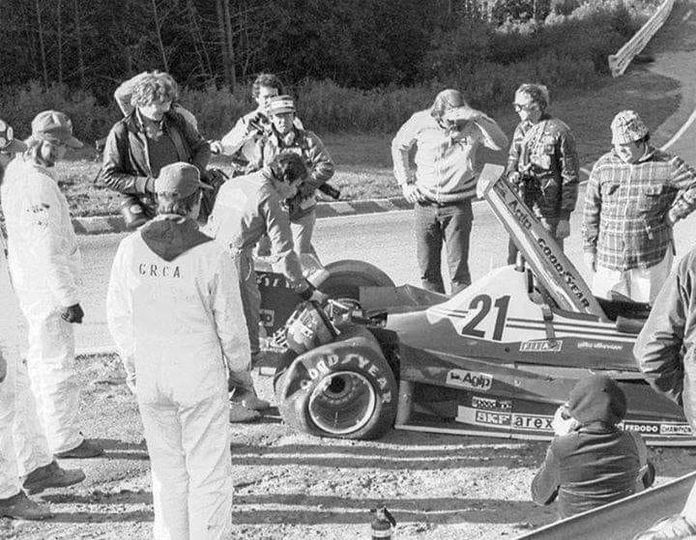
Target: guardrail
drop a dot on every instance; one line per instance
(619, 62)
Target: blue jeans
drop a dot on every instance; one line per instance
(451, 224)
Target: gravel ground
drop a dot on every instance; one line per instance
(294, 486)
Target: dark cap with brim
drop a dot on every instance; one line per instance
(178, 181)
(597, 398)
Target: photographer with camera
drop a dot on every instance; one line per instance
(240, 141)
(543, 163)
(447, 137)
(146, 140)
(285, 136)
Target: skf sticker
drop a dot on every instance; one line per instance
(493, 418)
(469, 379)
(491, 404)
(542, 345)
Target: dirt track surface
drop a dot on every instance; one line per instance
(289, 485)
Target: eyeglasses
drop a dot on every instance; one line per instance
(523, 106)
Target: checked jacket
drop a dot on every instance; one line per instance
(630, 208)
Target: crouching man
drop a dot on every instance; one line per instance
(591, 461)
(245, 211)
(174, 311)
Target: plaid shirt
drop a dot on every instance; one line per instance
(627, 205)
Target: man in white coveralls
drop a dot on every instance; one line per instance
(26, 463)
(45, 264)
(175, 313)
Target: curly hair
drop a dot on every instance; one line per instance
(268, 80)
(41, 152)
(181, 207)
(537, 92)
(154, 87)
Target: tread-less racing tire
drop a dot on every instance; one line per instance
(347, 276)
(344, 390)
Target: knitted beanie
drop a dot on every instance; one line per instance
(597, 398)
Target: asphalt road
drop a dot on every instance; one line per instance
(385, 240)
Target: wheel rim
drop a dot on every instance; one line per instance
(342, 403)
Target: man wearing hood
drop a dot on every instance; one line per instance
(591, 461)
(175, 313)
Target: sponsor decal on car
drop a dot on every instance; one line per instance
(469, 379)
(493, 418)
(478, 402)
(676, 429)
(600, 345)
(565, 274)
(542, 345)
(533, 422)
(641, 427)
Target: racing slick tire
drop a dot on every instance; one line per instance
(344, 390)
(347, 276)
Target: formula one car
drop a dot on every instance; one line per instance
(497, 359)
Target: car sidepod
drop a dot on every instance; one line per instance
(493, 361)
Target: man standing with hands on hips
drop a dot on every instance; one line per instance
(447, 137)
(635, 195)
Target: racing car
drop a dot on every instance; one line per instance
(497, 359)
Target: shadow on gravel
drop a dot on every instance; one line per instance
(102, 517)
(116, 449)
(334, 510)
(124, 496)
(384, 457)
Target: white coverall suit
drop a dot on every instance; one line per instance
(45, 265)
(23, 445)
(175, 322)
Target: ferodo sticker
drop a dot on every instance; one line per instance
(642, 427)
(469, 379)
(478, 402)
(542, 345)
(324, 364)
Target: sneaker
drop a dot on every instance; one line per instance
(22, 507)
(669, 528)
(249, 399)
(241, 414)
(86, 449)
(51, 476)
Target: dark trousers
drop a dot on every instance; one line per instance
(449, 224)
(550, 224)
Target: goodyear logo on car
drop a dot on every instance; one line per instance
(469, 379)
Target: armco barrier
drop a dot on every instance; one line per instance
(619, 62)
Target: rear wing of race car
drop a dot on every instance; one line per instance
(552, 268)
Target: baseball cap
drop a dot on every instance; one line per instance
(8, 143)
(55, 127)
(627, 127)
(178, 181)
(281, 104)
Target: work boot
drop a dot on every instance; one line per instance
(22, 507)
(240, 414)
(249, 399)
(86, 449)
(51, 476)
(669, 528)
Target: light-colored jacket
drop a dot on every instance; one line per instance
(446, 166)
(43, 253)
